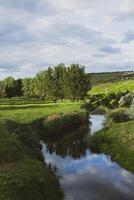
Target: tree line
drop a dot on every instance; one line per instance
(59, 82)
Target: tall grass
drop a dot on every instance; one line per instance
(118, 115)
(59, 124)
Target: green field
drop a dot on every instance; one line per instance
(120, 86)
(30, 112)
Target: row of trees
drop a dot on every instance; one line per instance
(55, 83)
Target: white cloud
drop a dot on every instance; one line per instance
(96, 33)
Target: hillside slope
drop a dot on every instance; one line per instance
(105, 77)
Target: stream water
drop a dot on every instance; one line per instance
(85, 175)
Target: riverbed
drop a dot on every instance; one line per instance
(84, 174)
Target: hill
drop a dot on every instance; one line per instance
(105, 77)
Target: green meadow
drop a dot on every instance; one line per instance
(30, 112)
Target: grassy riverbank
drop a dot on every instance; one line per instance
(118, 141)
(23, 174)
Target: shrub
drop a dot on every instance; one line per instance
(131, 111)
(126, 100)
(110, 100)
(61, 123)
(102, 110)
(118, 115)
(85, 106)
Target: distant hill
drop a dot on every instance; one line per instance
(105, 77)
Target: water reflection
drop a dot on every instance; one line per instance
(96, 123)
(84, 174)
(73, 145)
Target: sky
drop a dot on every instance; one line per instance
(35, 34)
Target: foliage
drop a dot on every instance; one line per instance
(55, 83)
(110, 100)
(27, 87)
(126, 100)
(118, 115)
(10, 87)
(131, 111)
(77, 81)
(59, 124)
(102, 110)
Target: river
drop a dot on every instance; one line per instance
(85, 175)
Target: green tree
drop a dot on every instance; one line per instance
(41, 85)
(9, 86)
(78, 82)
(27, 87)
(59, 81)
(2, 89)
(18, 87)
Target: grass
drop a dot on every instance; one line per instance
(120, 86)
(30, 112)
(118, 141)
(29, 180)
(23, 175)
(21, 101)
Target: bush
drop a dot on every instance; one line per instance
(126, 100)
(102, 110)
(131, 111)
(110, 100)
(118, 115)
(58, 124)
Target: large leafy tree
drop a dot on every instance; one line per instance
(27, 87)
(40, 84)
(18, 87)
(78, 82)
(10, 87)
(2, 89)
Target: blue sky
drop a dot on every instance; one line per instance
(37, 33)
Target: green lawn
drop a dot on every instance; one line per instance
(120, 86)
(29, 112)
